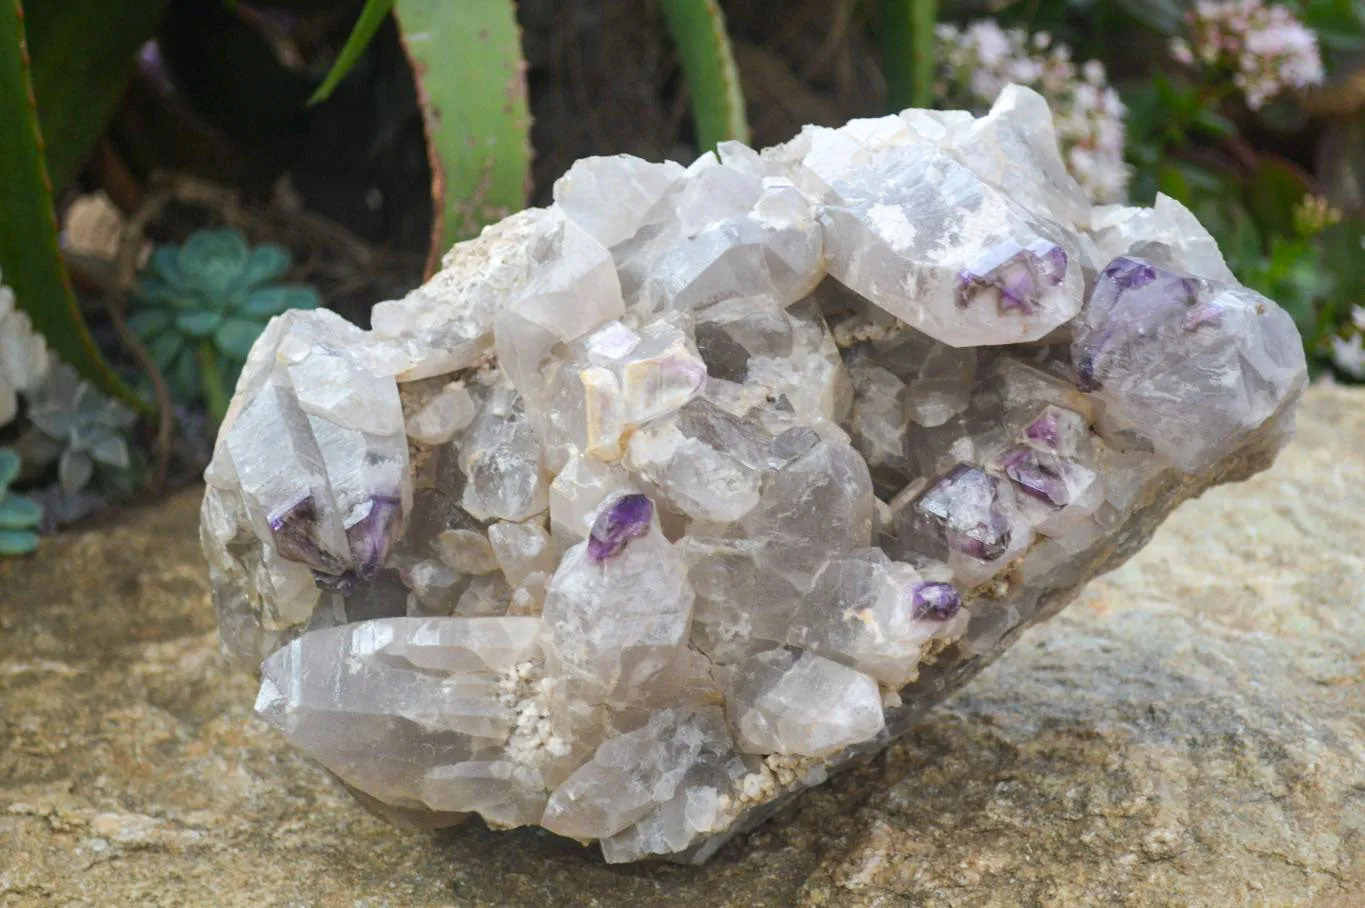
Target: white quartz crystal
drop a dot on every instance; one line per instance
(655, 506)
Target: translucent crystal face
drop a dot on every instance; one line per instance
(656, 505)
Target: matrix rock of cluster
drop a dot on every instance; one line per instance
(656, 505)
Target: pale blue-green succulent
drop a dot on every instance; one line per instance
(199, 308)
(18, 516)
(76, 425)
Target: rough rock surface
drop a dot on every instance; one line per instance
(1191, 732)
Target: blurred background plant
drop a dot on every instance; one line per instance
(178, 171)
(199, 308)
(18, 516)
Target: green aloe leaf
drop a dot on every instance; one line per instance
(29, 255)
(471, 83)
(17, 542)
(19, 513)
(371, 17)
(907, 37)
(83, 54)
(698, 29)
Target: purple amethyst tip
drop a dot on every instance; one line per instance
(1129, 273)
(625, 519)
(371, 537)
(935, 601)
(1044, 430)
(1038, 475)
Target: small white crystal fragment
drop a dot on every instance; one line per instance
(442, 417)
(782, 702)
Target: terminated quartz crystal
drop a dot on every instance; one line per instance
(655, 506)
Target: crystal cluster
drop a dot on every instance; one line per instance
(658, 504)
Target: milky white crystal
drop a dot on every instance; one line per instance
(656, 505)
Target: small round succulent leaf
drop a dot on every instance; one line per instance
(267, 262)
(19, 513)
(214, 261)
(81, 436)
(235, 337)
(9, 466)
(52, 419)
(165, 349)
(183, 377)
(17, 542)
(165, 263)
(199, 325)
(116, 415)
(148, 323)
(112, 451)
(269, 301)
(40, 449)
(75, 470)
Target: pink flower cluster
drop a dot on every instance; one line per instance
(1266, 49)
(977, 61)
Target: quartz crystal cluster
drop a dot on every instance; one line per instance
(656, 505)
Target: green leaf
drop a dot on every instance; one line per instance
(698, 30)
(183, 375)
(199, 324)
(83, 54)
(371, 17)
(267, 262)
(9, 466)
(1274, 190)
(17, 542)
(19, 513)
(906, 29)
(270, 301)
(214, 261)
(165, 349)
(149, 322)
(235, 337)
(471, 84)
(1164, 16)
(29, 255)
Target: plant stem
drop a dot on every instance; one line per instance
(211, 377)
(907, 37)
(698, 31)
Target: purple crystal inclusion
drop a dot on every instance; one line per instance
(1016, 274)
(1131, 306)
(1038, 475)
(371, 537)
(965, 506)
(1044, 430)
(935, 601)
(296, 537)
(624, 519)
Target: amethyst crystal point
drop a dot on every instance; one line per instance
(657, 505)
(936, 601)
(374, 534)
(625, 519)
(965, 506)
(295, 534)
(1191, 365)
(1014, 275)
(1037, 474)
